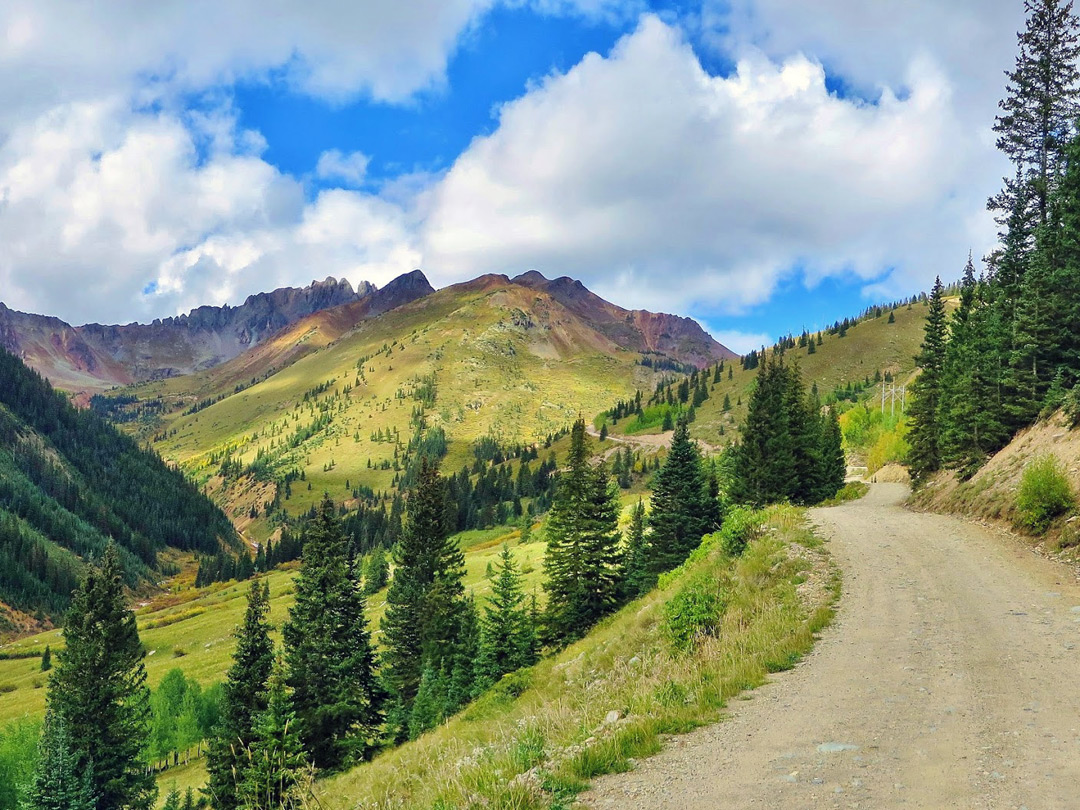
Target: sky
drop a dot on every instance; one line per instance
(763, 166)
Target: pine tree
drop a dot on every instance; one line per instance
(46, 659)
(507, 635)
(924, 436)
(275, 757)
(833, 462)
(376, 572)
(682, 511)
(1042, 100)
(637, 578)
(582, 561)
(328, 653)
(765, 469)
(172, 800)
(244, 699)
(58, 782)
(99, 690)
(425, 620)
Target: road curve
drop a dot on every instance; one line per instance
(950, 679)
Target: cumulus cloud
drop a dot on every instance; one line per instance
(663, 186)
(113, 215)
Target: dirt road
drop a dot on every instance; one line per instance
(950, 679)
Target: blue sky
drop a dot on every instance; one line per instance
(756, 164)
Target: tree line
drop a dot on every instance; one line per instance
(1010, 351)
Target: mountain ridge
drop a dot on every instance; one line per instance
(94, 356)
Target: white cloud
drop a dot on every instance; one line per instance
(741, 342)
(99, 204)
(662, 186)
(349, 169)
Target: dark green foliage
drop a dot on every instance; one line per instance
(791, 450)
(275, 762)
(331, 665)
(507, 634)
(695, 611)
(172, 800)
(376, 571)
(682, 509)
(81, 485)
(582, 562)
(741, 525)
(427, 622)
(637, 577)
(244, 699)
(924, 436)
(1042, 101)
(61, 781)
(46, 659)
(99, 691)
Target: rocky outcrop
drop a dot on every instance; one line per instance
(681, 339)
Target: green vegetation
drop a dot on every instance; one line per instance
(791, 450)
(1044, 494)
(99, 704)
(535, 739)
(68, 483)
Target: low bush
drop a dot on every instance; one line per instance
(1044, 494)
(741, 525)
(695, 611)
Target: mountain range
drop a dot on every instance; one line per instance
(94, 357)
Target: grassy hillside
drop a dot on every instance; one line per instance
(537, 738)
(484, 359)
(872, 346)
(70, 483)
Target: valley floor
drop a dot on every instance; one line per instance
(948, 680)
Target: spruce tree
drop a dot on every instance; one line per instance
(275, 756)
(172, 800)
(426, 622)
(1042, 101)
(99, 690)
(507, 635)
(637, 577)
(244, 699)
(582, 560)
(924, 436)
(833, 462)
(58, 782)
(765, 468)
(682, 511)
(328, 653)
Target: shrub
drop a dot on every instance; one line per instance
(695, 611)
(1044, 494)
(741, 525)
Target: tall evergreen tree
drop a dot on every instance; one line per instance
(765, 469)
(507, 634)
(58, 782)
(924, 435)
(426, 617)
(328, 652)
(275, 756)
(99, 690)
(833, 462)
(637, 578)
(1042, 101)
(244, 699)
(582, 560)
(682, 511)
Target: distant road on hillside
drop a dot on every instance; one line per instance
(949, 680)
